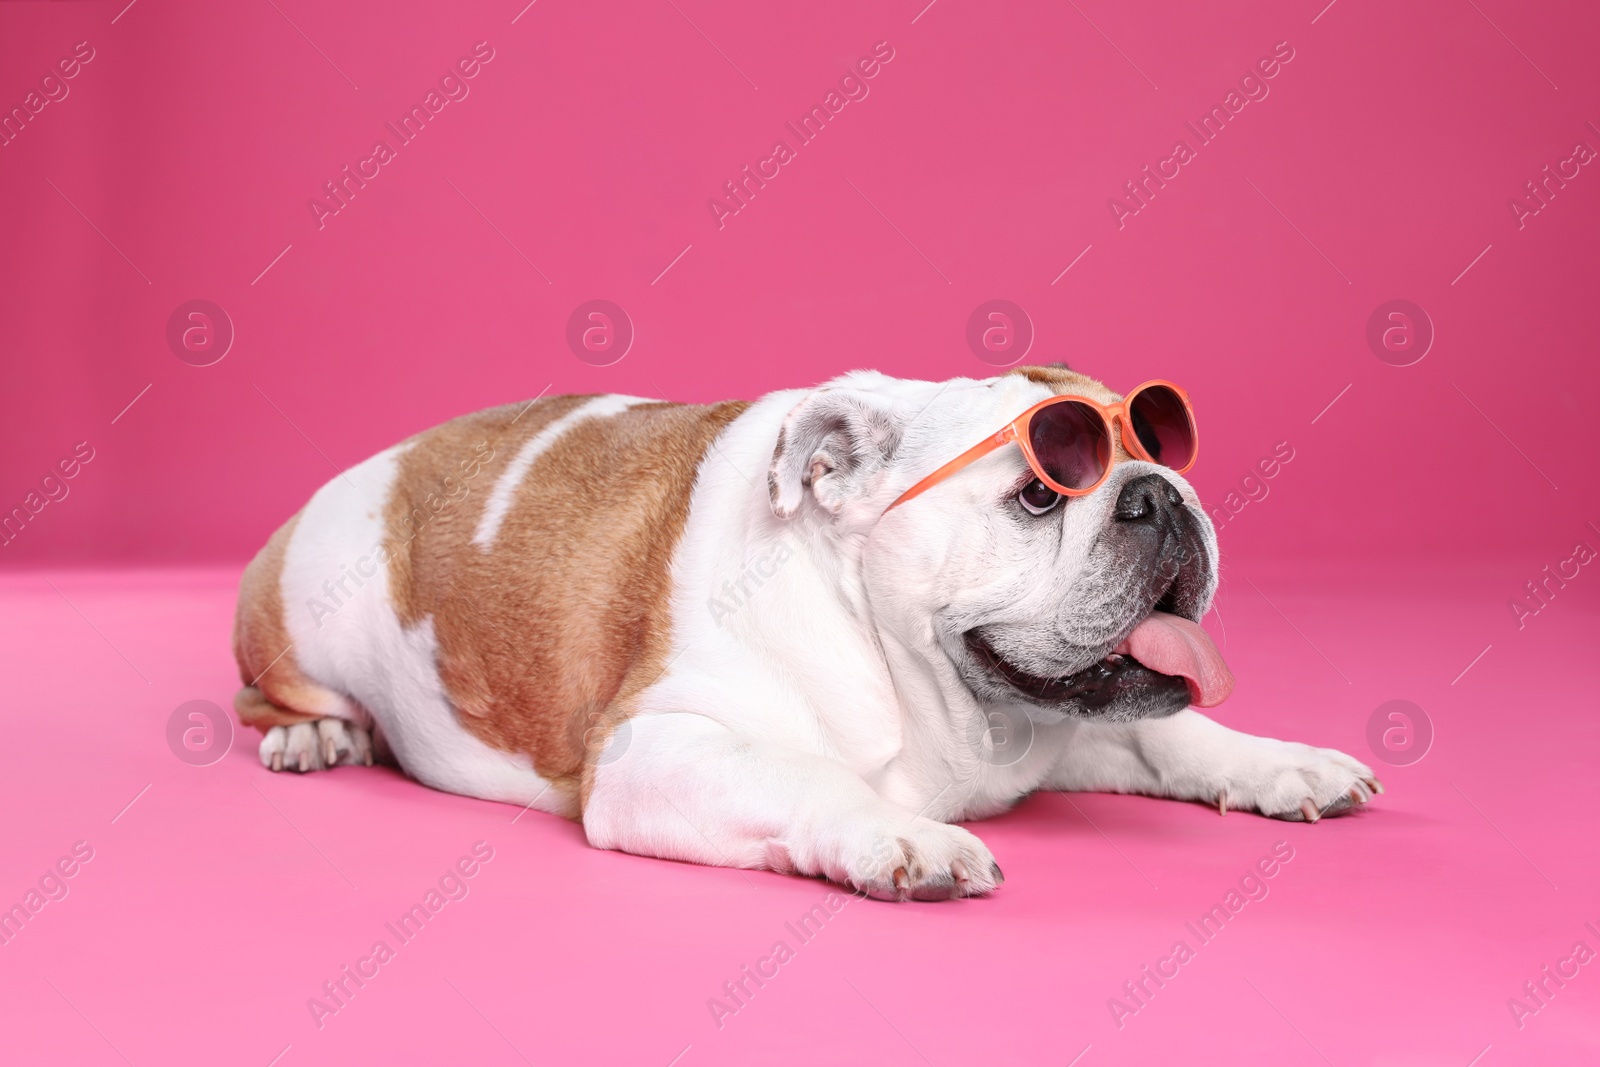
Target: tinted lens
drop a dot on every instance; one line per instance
(1161, 423)
(1069, 439)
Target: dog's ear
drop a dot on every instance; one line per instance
(833, 443)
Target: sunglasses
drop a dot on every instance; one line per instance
(1067, 440)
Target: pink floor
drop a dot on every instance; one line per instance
(220, 898)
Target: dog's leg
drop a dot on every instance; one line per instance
(306, 726)
(687, 788)
(1191, 757)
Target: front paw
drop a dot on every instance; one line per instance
(1298, 782)
(917, 859)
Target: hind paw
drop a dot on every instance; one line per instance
(316, 746)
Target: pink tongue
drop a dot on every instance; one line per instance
(1170, 644)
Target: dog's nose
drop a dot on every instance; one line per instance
(1147, 498)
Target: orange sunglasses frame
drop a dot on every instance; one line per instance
(1113, 415)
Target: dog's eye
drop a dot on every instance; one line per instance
(1038, 498)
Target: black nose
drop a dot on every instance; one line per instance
(1147, 498)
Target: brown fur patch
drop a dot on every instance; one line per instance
(275, 693)
(442, 485)
(1061, 379)
(546, 637)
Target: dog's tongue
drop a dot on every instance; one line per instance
(1171, 644)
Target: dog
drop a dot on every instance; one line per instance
(727, 633)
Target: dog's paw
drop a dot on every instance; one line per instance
(919, 860)
(1301, 783)
(315, 746)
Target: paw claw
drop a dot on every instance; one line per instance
(905, 857)
(314, 746)
(1290, 780)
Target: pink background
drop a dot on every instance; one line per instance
(1379, 565)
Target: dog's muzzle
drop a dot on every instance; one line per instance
(1129, 645)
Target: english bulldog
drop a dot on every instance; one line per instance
(807, 634)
